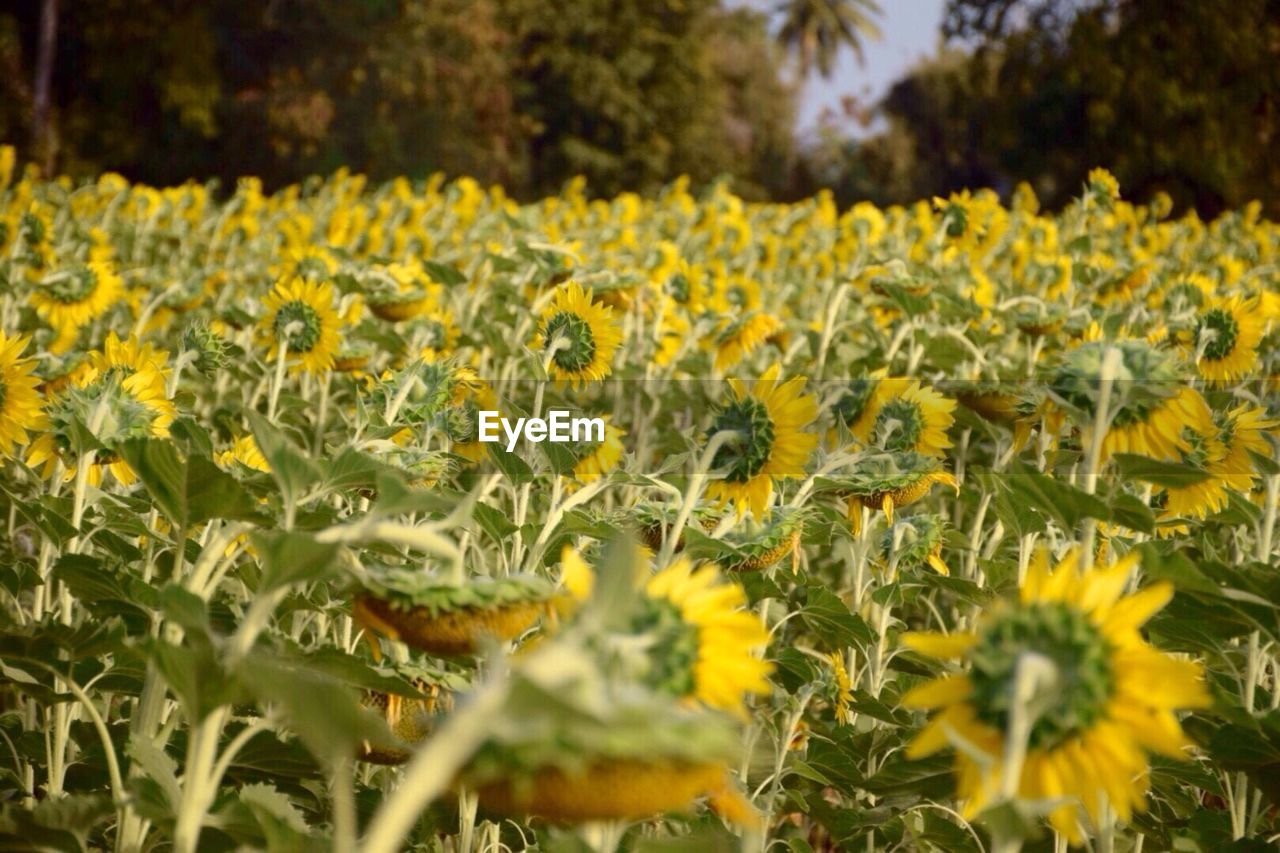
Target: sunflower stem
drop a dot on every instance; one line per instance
(1111, 362)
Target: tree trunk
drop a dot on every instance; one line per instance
(43, 137)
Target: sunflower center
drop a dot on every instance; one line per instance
(1081, 657)
(1223, 330)
(899, 425)
(675, 649)
(73, 286)
(4, 393)
(581, 348)
(747, 452)
(299, 324)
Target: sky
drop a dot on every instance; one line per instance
(909, 31)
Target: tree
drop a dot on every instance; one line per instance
(1180, 96)
(815, 30)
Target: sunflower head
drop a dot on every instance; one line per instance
(578, 337)
(210, 348)
(764, 439)
(905, 416)
(1226, 339)
(300, 318)
(1067, 662)
(1144, 378)
(21, 403)
(916, 542)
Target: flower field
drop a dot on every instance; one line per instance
(945, 527)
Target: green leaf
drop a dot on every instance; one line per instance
(322, 711)
(188, 491)
(1129, 511)
(292, 557)
(444, 274)
(292, 469)
(1171, 475)
(832, 621)
(494, 522)
(159, 767)
(1054, 499)
(511, 465)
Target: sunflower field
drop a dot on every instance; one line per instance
(942, 527)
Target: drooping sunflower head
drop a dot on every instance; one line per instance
(905, 416)
(1149, 402)
(740, 336)
(1064, 664)
(1226, 339)
(916, 542)
(765, 440)
(21, 403)
(886, 481)
(300, 317)
(578, 337)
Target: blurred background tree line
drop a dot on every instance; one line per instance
(1175, 95)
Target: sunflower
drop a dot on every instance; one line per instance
(70, 298)
(916, 542)
(1226, 339)
(244, 451)
(578, 337)
(739, 337)
(1105, 697)
(116, 407)
(439, 334)
(887, 481)
(301, 315)
(125, 358)
(768, 442)
(1204, 492)
(1150, 404)
(21, 404)
(1243, 431)
(704, 644)
(600, 458)
(903, 415)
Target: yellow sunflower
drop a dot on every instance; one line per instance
(245, 451)
(1100, 696)
(21, 404)
(601, 457)
(769, 442)
(301, 315)
(70, 298)
(705, 644)
(125, 357)
(903, 415)
(1201, 496)
(440, 334)
(1243, 430)
(739, 337)
(728, 637)
(115, 406)
(1226, 339)
(1150, 406)
(578, 336)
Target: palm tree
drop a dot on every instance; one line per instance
(816, 30)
